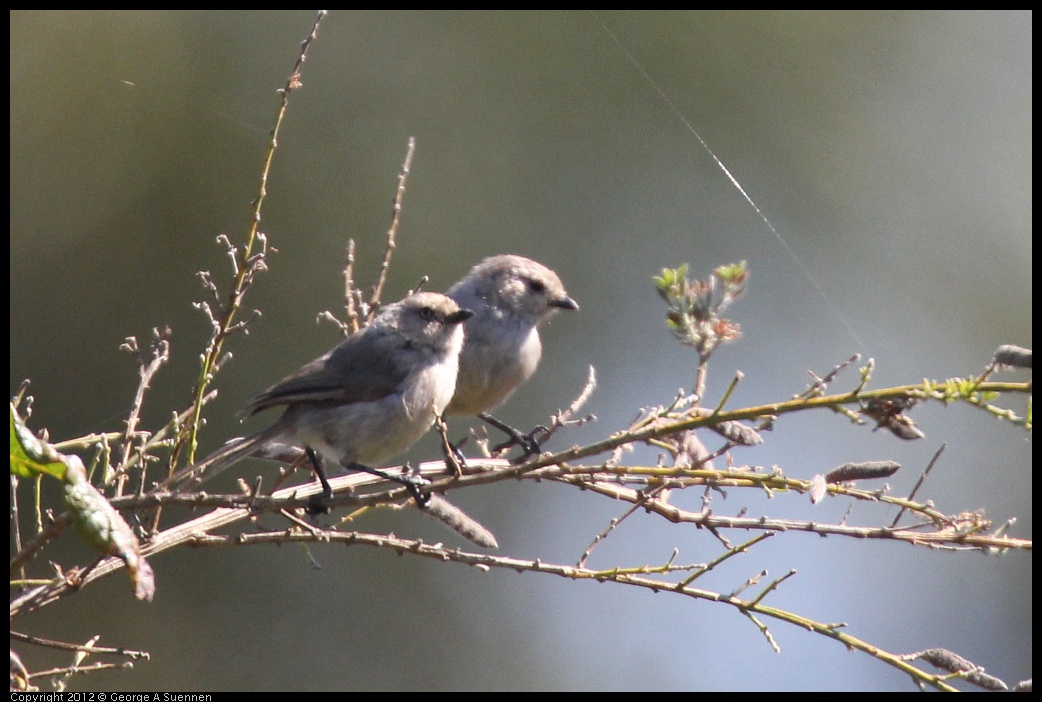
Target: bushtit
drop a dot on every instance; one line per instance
(510, 297)
(371, 397)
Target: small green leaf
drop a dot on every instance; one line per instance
(30, 456)
(732, 273)
(95, 519)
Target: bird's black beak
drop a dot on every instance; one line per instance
(459, 316)
(565, 303)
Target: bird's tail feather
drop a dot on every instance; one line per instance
(221, 459)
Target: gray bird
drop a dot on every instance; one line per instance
(510, 296)
(371, 397)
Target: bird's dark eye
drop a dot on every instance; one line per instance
(426, 313)
(536, 286)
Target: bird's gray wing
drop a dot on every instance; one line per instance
(357, 370)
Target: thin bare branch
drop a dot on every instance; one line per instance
(247, 264)
(392, 231)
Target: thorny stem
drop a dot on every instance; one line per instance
(396, 215)
(243, 270)
(160, 354)
(620, 577)
(350, 308)
(749, 413)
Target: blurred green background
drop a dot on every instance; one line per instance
(890, 150)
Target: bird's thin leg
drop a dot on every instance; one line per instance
(528, 443)
(411, 483)
(319, 504)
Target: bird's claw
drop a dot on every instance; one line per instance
(319, 503)
(413, 483)
(529, 444)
